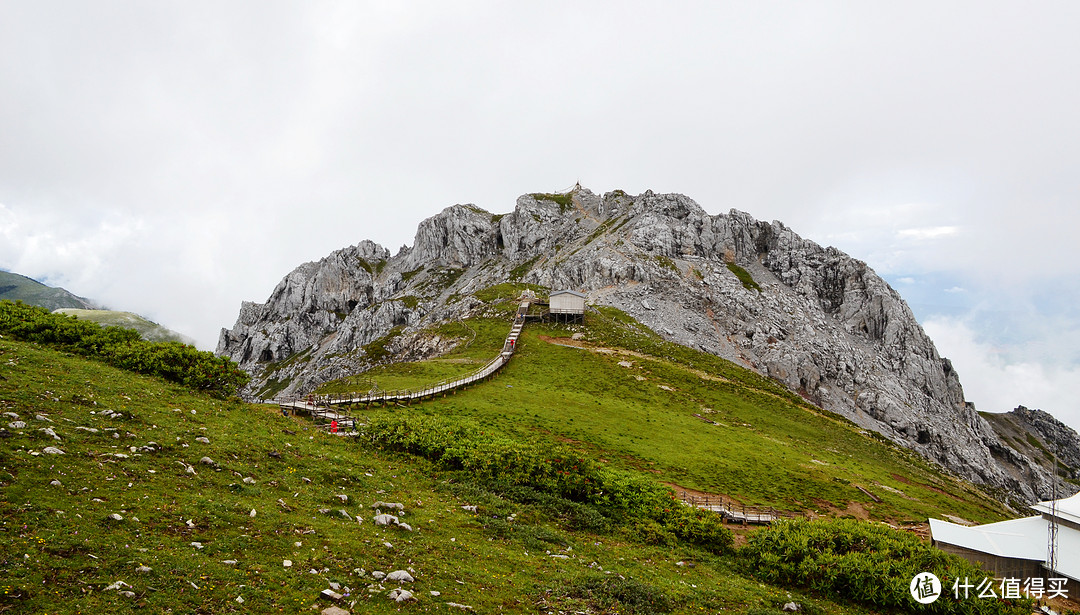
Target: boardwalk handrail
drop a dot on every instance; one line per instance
(311, 402)
(734, 511)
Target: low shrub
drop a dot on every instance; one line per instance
(868, 563)
(615, 594)
(123, 348)
(589, 495)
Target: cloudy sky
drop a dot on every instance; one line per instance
(177, 158)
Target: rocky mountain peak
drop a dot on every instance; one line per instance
(813, 318)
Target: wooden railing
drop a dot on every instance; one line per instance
(734, 511)
(312, 402)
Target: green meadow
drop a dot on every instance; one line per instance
(539, 491)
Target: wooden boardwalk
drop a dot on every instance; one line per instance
(328, 407)
(732, 511)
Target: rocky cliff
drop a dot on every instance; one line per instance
(817, 320)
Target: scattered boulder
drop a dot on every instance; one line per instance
(334, 610)
(385, 519)
(401, 595)
(389, 505)
(400, 576)
(378, 575)
(116, 517)
(330, 594)
(203, 439)
(792, 607)
(249, 480)
(17, 425)
(52, 450)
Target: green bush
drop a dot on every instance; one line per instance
(865, 562)
(591, 495)
(123, 348)
(615, 594)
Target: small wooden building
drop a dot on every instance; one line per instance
(567, 305)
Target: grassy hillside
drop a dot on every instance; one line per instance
(127, 441)
(150, 331)
(15, 287)
(159, 499)
(689, 418)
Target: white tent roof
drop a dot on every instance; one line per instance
(1067, 508)
(1018, 538)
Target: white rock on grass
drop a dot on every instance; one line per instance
(400, 576)
(287, 563)
(378, 575)
(401, 595)
(52, 450)
(385, 519)
(389, 505)
(203, 439)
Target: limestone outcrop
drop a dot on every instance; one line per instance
(811, 317)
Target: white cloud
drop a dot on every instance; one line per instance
(933, 232)
(999, 378)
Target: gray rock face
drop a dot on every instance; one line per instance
(813, 318)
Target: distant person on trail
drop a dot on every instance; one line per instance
(333, 426)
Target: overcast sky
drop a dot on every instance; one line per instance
(177, 158)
